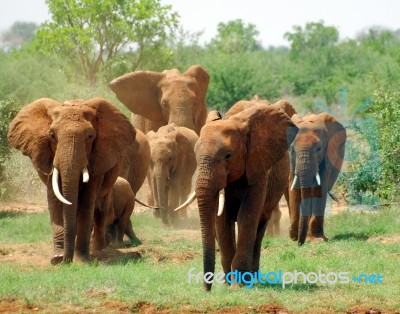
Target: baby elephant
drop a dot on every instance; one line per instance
(117, 207)
(173, 163)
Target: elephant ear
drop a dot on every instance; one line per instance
(296, 119)
(239, 107)
(29, 132)
(336, 142)
(139, 92)
(258, 100)
(150, 135)
(213, 115)
(286, 106)
(114, 136)
(202, 79)
(269, 134)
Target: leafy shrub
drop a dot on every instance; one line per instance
(373, 151)
(8, 110)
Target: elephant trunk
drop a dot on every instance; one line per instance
(70, 167)
(207, 200)
(306, 206)
(160, 181)
(182, 116)
(305, 213)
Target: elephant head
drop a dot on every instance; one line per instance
(76, 148)
(235, 154)
(316, 157)
(172, 166)
(166, 97)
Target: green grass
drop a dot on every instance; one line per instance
(160, 275)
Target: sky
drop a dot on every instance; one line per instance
(273, 18)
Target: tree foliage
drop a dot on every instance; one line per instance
(236, 37)
(93, 41)
(93, 33)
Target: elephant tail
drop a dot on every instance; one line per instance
(145, 205)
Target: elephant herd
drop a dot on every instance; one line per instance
(93, 161)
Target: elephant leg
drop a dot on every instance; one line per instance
(270, 228)
(294, 213)
(173, 202)
(277, 221)
(317, 221)
(225, 233)
(57, 225)
(257, 245)
(248, 220)
(99, 232)
(150, 193)
(273, 228)
(85, 216)
(111, 234)
(125, 224)
(130, 233)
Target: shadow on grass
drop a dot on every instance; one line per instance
(350, 236)
(114, 256)
(10, 214)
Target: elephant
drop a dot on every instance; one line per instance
(117, 207)
(173, 164)
(238, 158)
(134, 167)
(273, 227)
(316, 158)
(78, 149)
(157, 99)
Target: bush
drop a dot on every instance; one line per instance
(8, 110)
(373, 151)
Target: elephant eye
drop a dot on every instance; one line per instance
(228, 156)
(53, 135)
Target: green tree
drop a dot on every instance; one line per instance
(91, 33)
(314, 55)
(386, 110)
(236, 37)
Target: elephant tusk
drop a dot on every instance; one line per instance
(294, 182)
(221, 202)
(189, 201)
(56, 188)
(85, 174)
(318, 178)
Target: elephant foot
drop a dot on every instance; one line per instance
(81, 258)
(135, 242)
(317, 239)
(57, 259)
(156, 213)
(99, 244)
(293, 236)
